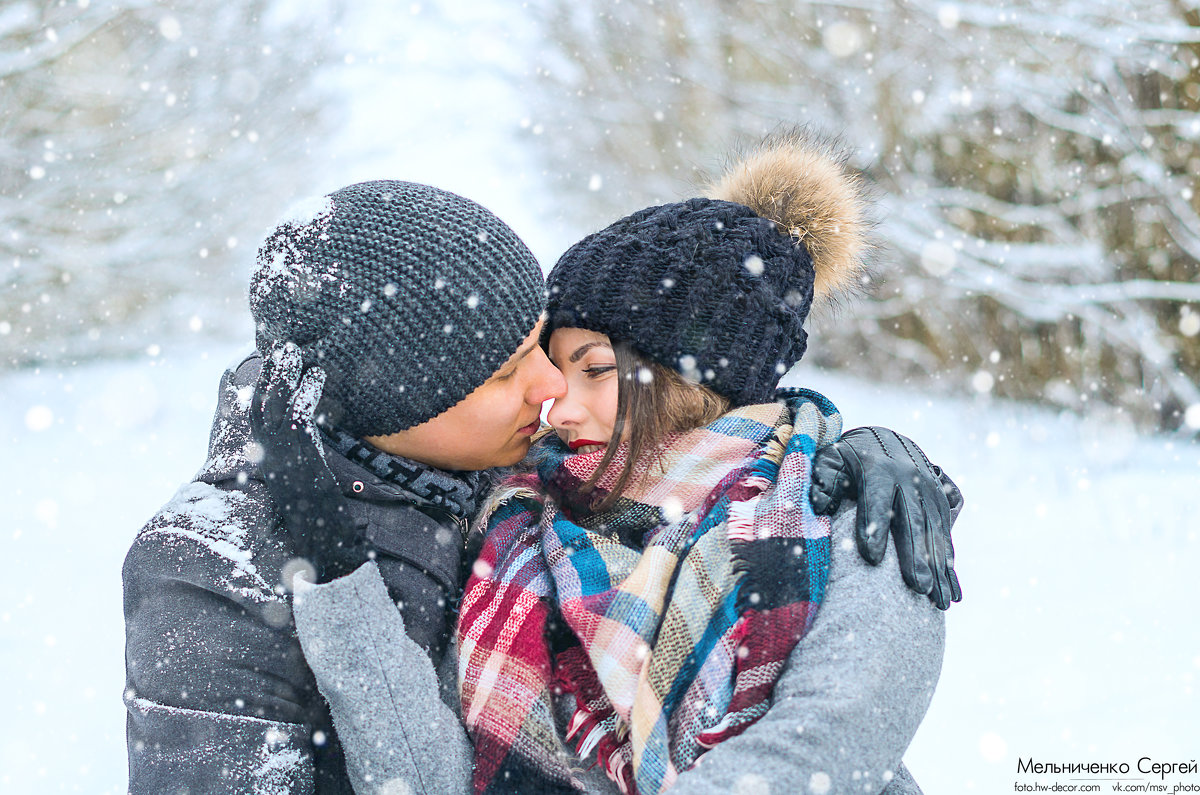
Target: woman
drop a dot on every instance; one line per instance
(660, 586)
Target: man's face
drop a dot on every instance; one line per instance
(492, 426)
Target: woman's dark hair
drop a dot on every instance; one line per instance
(653, 402)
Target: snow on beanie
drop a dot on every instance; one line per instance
(719, 288)
(409, 297)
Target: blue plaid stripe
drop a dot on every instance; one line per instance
(704, 575)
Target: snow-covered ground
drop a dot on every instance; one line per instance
(1078, 553)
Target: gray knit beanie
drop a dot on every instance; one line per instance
(409, 297)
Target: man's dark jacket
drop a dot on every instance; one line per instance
(219, 696)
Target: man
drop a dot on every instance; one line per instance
(397, 359)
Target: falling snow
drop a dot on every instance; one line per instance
(938, 258)
(39, 418)
(1058, 508)
(1033, 545)
(843, 39)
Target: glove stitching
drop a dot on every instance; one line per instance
(920, 452)
(879, 441)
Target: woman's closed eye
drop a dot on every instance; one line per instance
(597, 370)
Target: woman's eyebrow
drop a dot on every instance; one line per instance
(584, 348)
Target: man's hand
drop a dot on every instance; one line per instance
(898, 489)
(304, 490)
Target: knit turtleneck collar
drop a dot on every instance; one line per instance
(456, 492)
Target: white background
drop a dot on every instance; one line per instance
(1077, 640)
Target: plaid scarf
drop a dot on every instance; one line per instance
(668, 647)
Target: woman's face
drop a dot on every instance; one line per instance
(585, 416)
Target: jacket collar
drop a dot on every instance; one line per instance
(232, 455)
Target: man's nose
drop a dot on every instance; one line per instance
(548, 382)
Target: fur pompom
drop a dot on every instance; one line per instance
(803, 183)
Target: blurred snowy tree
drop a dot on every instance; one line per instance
(1036, 167)
(143, 142)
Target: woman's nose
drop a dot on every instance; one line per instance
(564, 413)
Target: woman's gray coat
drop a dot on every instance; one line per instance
(844, 710)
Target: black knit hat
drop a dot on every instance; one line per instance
(718, 289)
(408, 296)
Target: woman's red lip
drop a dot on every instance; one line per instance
(531, 428)
(575, 445)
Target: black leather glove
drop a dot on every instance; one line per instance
(896, 487)
(302, 487)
